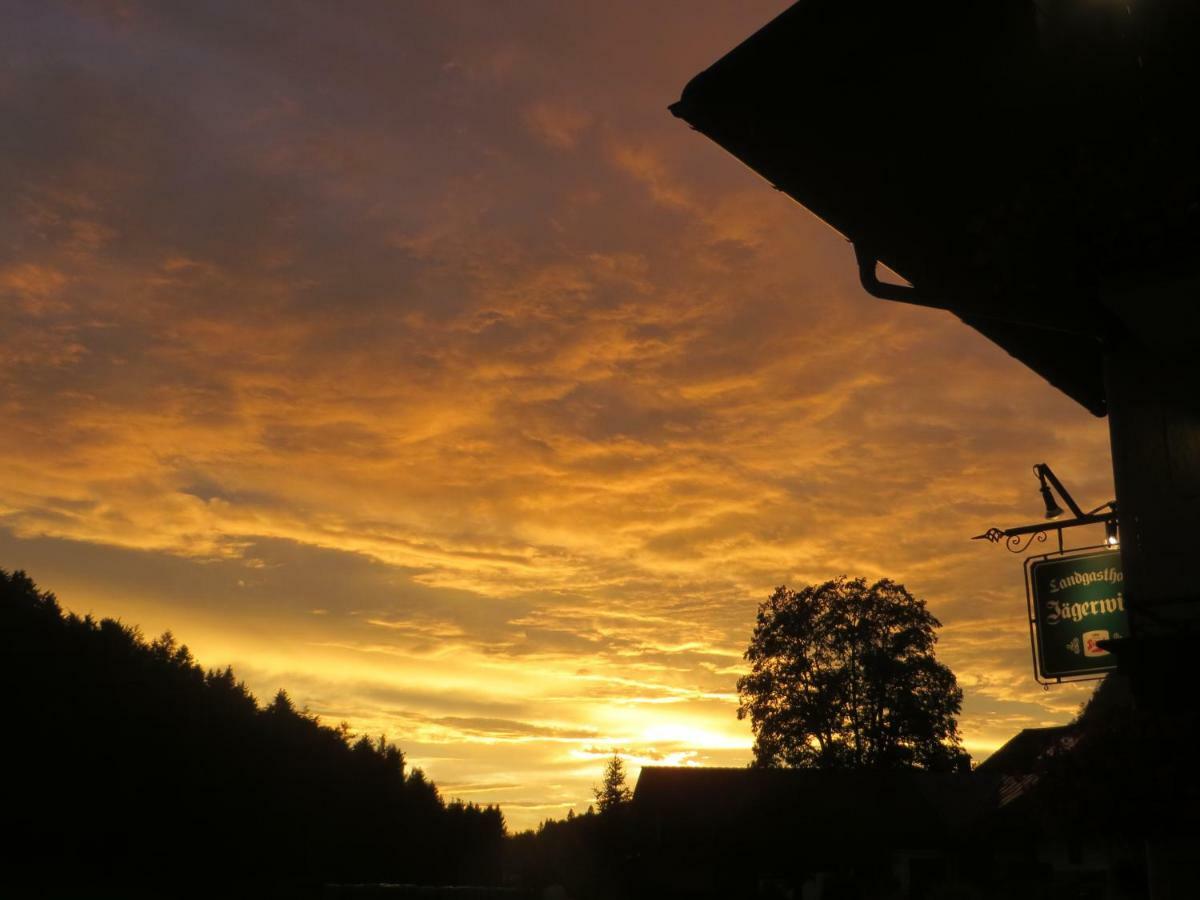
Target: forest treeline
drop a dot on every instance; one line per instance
(131, 769)
(587, 857)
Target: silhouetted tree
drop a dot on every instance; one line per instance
(613, 792)
(843, 675)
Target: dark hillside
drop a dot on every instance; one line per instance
(130, 769)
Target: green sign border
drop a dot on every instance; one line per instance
(1035, 625)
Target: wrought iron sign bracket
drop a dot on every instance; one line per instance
(1018, 540)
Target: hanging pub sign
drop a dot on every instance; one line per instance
(1075, 601)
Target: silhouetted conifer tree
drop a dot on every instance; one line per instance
(613, 791)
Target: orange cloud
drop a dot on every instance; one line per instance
(559, 125)
(315, 357)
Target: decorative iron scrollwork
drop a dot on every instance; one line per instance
(1015, 545)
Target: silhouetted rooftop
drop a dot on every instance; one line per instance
(1029, 166)
(1019, 755)
(885, 807)
(1015, 769)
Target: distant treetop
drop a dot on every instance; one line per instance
(613, 793)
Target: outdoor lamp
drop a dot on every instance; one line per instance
(1053, 510)
(1110, 532)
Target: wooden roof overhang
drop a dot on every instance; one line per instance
(1032, 167)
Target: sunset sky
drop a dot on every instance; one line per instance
(411, 356)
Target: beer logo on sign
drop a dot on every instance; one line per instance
(1091, 643)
